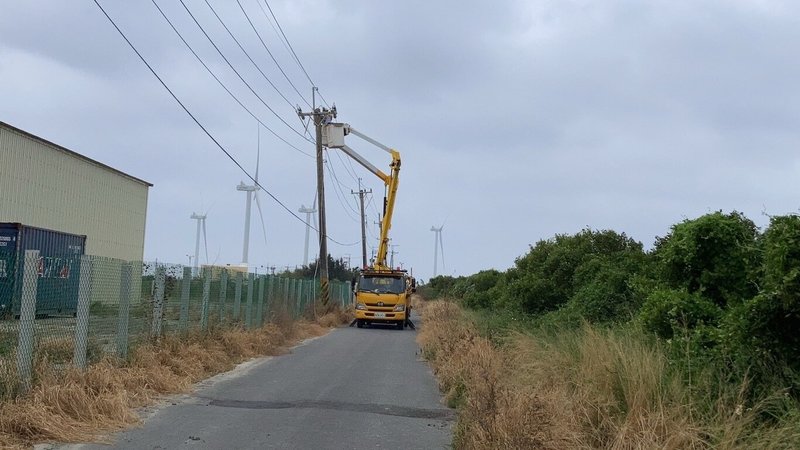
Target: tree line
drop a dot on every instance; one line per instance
(715, 287)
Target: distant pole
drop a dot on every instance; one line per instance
(321, 116)
(361, 193)
(392, 253)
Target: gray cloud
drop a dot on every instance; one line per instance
(516, 119)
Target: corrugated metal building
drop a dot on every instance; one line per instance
(45, 185)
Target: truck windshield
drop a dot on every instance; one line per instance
(382, 285)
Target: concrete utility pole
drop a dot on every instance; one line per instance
(361, 193)
(201, 219)
(308, 212)
(321, 116)
(437, 244)
(392, 253)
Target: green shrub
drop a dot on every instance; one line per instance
(765, 330)
(715, 255)
(604, 291)
(668, 312)
(545, 278)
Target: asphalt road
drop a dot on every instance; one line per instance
(351, 389)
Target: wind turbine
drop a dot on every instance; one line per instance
(201, 223)
(437, 245)
(308, 212)
(252, 191)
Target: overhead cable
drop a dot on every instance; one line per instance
(208, 69)
(205, 130)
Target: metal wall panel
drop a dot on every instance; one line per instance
(44, 186)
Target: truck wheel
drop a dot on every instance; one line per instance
(401, 324)
(360, 323)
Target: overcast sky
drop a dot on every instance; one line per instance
(515, 120)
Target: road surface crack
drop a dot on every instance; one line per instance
(372, 408)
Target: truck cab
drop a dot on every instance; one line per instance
(382, 296)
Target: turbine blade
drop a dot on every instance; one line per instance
(441, 246)
(258, 155)
(261, 216)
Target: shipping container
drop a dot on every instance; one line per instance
(57, 268)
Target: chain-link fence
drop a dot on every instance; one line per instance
(75, 310)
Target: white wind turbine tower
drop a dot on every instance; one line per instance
(308, 212)
(437, 245)
(201, 223)
(252, 191)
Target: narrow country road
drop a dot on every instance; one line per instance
(351, 389)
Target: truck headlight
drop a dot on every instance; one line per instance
(400, 308)
(361, 307)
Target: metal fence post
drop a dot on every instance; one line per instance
(27, 315)
(298, 289)
(260, 305)
(125, 291)
(82, 313)
(248, 310)
(186, 286)
(271, 295)
(237, 300)
(158, 302)
(223, 293)
(206, 298)
(285, 289)
(300, 286)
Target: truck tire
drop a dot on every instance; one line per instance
(401, 324)
(360, 323)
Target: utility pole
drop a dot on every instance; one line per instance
(361, 193)
(392, 253)
(321, 116)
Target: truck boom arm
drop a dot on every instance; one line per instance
(390, 180)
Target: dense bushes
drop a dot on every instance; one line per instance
(714, 287)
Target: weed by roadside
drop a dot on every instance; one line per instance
(590, 387)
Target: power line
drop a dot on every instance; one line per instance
(275, 29)
(296, 58)
(197, 122)
(352, 174)
(238, 74)
(223, 84)
(270, 53)
(248, 54)
(337, 191)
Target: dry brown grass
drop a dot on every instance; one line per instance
(582, 388)
(475, 377)
(77, 406)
